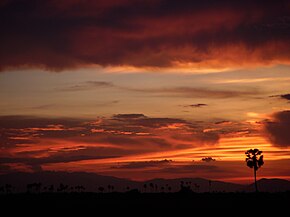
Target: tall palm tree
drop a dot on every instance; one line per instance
(209, 185)
(38, 187)
(152, 187)
(254, 160)
(109, 188)
(145, 186)
(156, 188)
(51, 188)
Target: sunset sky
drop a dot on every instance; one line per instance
(142, 89)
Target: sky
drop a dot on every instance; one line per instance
(145, 89)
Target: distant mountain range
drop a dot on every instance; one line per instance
(271, 185)
(92, 182)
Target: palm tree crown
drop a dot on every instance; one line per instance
(254, 158)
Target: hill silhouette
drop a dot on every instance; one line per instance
(92, 182)
(270, 185)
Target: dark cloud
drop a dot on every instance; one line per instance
(57, 35)
(144, 121)
(52, 159)
(64, 155)
(283, 96)
(200, 137)
(143, 164)
(20, 122)
(127, 131)
(196, 92)
(198, 105)
(85, 153)
(45, 106)
(129, 116)
(5, 168)
(209, 138)
(109, 103)
(10, 138)
(277, 129)
(88, 85)
(223, 122)
(122, 129)
(208, 159)
(15, 130)
(188, 92)
(142, 144)
(183, 130)
(159, 122)
(35, 141)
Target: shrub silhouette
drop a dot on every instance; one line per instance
(101, 189)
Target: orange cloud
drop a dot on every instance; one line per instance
(41, 142)
(127, 143)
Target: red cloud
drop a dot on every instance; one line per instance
(36, 141)
(58, 35)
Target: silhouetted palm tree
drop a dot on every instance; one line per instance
(254, 160)
(209, 185)
(152, 187)
(51, 188)
(156, 188)
(145, 186)
(38, 187)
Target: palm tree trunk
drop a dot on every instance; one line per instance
(255, 175)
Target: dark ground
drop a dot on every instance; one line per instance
(124, 203)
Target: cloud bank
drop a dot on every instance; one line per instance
(277, 129)
(203, 34)
(37, 141)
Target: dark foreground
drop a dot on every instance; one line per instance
(144, 203)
